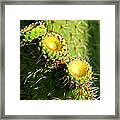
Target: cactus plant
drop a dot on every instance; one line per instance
(58, 60)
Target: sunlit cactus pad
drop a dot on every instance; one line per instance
(60, 60)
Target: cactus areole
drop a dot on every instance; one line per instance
(79, 68)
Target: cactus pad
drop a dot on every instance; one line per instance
(33, 31)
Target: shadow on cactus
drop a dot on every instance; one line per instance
(59, 60)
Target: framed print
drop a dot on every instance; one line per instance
(60, 59)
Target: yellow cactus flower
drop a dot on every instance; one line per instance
(54, 45)
(79, 68)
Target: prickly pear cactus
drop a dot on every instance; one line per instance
(59, 61)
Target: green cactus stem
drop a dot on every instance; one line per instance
(33, 31)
